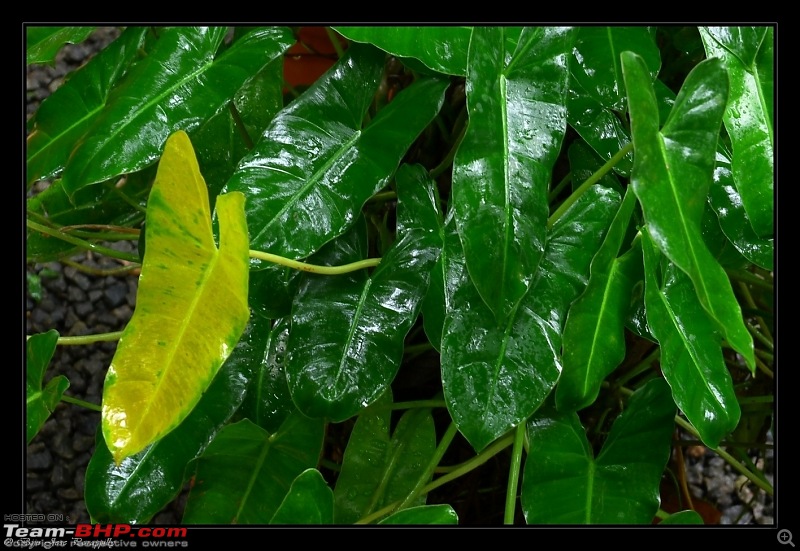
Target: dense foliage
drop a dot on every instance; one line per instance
(518, 264)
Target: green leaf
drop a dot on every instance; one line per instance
(424, 514)
(495, 376)
(309, 501)
(191, 306)
(724, 198)
(595, 65)
(41, 402)
(442, 49)
(517, 120)
(178, 86)
(748, 56)
(683, 517)
(563, 483)
(348, 331)
(143, 484)
(314, 167)
(691, 353)
(597, 91)
(268, 401)
(594, 333)
(671, 177)
(68, 113)
(244, 474)
(377, 469)
(43, 43)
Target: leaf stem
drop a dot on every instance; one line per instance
(313, 268)
(87, 339)
(79, 402)
(593, 179)
(754, 478)
(81, 242)
(463, 469)
(513, 473)
(447, 438)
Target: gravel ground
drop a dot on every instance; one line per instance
(79, 303)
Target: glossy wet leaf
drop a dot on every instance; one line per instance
(177, 86)
(268, 401)
(595, 63)
(143, 484)
(748, 55)
(380, 468)
(501, 172)
(691, 350)
(309, 501)
(496, 375)
(437, 301)
(68, 112)
(564, 483)
(442, 49)
(596, 90)
(191, 306)
(243, 475)
(724, 198)
(348, 331)
(671, 176)
(594, 332)
(43, 43)
(41, 400)
(423, 514)
(315, 167)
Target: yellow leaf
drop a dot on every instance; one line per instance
(191, 306)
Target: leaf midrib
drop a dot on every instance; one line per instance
(313, 180)
(134, 114)
(177, 342)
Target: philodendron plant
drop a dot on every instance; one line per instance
(550, 245)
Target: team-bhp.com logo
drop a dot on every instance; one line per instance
(94, 536)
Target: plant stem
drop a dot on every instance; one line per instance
(88, 339)
(560, 186)
(748, 277)
(513, 473)
(755, 479)
(81, 242)
(313, 268)
(759, 336)
(593, 179)
(437, 456)
(79, 402)
(332, 36)
(465, 467)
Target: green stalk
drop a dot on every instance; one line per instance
(593, 179)
(88, 339)
(313, 268)
(82, 243)
(465, 467)
(81, 403)
(513, 473)
(437, 456)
